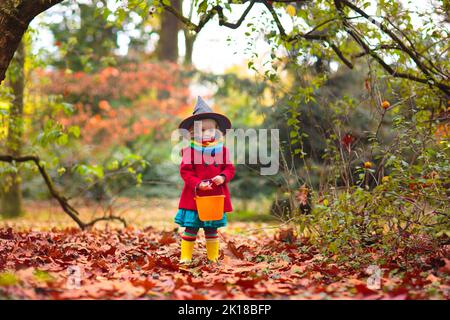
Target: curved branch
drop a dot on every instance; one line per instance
(62, 200)
(209, 15)
(15, 16)
(341, 56)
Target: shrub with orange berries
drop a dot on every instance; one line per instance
(385, 104)
(368, 165)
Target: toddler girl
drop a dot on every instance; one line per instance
(206, 169)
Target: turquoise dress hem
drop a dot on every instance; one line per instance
(189, 218)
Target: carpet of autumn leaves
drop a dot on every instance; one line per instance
(135, 263)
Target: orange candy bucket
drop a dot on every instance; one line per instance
(210, 208)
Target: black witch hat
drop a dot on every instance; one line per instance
(203, 111)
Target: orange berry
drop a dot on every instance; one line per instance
(385, 104)
(367, 164)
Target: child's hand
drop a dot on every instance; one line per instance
(205, 185)
(218, 180)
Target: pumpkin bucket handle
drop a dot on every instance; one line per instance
(210, 208)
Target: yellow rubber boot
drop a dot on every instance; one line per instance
(212, 250)
(187, 247)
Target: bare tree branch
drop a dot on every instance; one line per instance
(313, 34)
(361, 42)
(341, 56)
(63, 201)
(391, 34)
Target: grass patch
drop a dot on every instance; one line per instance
(250, 216)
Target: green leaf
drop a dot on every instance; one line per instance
(333, 247)
(8, 279)
(68, 108)
(292, 121)
(113, 165)
(74, 131)
(61, 171)
(202, 6)
(63, 139)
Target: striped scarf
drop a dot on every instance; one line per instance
(208, 147)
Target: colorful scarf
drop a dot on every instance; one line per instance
(208, 147)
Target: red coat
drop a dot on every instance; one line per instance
(193, 173)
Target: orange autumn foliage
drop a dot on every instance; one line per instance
(117, 105)
(143, 264)
(443, 129)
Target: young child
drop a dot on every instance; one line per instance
(206, 169)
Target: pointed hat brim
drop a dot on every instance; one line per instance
(222, 121)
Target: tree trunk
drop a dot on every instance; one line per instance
(189, 40)
(167, 49)
(12, 194)
(15, 16)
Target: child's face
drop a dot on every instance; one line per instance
(209, 130)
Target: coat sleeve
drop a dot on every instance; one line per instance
(228, 167)
(187, 171)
